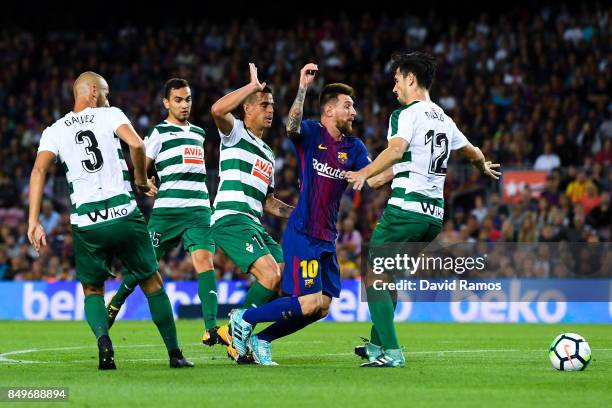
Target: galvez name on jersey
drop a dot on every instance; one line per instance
(79, 119)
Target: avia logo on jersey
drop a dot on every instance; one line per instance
(193, 155)
(263, 170)
(325, 170)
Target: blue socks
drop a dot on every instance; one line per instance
(278, 310)
(286, 327)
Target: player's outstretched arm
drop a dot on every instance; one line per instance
(36, 233)
(307, 75)
(222, 109)
(137, 152)
(381, 179)
(387, 158)
(276, 207)
(475, 155)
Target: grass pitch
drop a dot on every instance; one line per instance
(458, 365)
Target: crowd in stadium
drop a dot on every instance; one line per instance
(534, 90)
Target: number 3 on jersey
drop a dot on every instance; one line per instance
(95, 161)
(439, 152)
(310, 268)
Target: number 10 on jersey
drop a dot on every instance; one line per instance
(310, 268)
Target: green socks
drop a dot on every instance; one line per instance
(96, 315)
(128, 284)
(161, 313)
(382, 311)
(258, 295)
(207, 291)
(374, 337)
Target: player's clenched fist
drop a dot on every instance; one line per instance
(308, 74)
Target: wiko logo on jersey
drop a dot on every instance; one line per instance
(433, 210)
(262, 170)
(108, 213)
(325, 170)
(193, 155)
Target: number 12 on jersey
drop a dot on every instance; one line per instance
(439, 152)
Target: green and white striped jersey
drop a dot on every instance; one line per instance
(98, 177)
(178, 155)
(246, 170)
(418, 181)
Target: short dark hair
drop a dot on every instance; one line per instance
(174, 83)
(266, 89)
(421, 64)
(331, 92)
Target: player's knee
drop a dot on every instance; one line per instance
(202, 260)
(267, 272)
(270, 280)
(311, 304)
(93, 290)
(310, 308)
(324, 311)
(151, 284)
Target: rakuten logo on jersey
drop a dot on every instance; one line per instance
(325, 170)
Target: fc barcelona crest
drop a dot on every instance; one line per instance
(342, 157)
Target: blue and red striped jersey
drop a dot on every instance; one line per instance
(322, 162)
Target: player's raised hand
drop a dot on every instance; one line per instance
(357, 178)
(37, 237)
(254, 80)
(308, 74)
(488, 170)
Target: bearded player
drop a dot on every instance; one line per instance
(311, 276)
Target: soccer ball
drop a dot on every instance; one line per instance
(570, 352)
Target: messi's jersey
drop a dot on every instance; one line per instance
(322, 163)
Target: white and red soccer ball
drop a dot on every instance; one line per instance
(570, 352)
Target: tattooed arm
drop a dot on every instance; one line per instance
(307, 75)
(276, 207)
(295, 114)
